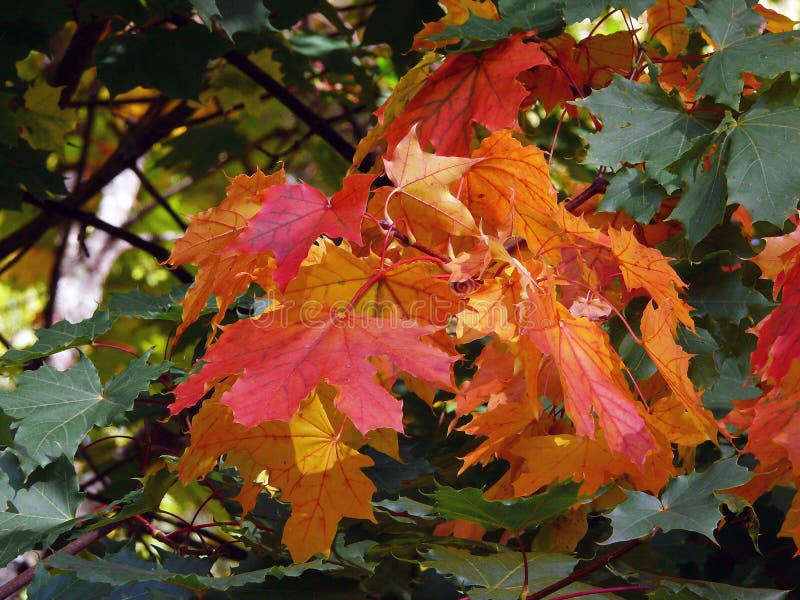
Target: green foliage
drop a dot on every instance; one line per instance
(690, 502)
(642, 124)
(61, 336)
(56, 409)
(189, 94)
(497, 576)
(515, 515)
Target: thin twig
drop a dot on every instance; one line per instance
(10, 588)
(158, 197)
(590, 568)
(156, 251)
(317, 124)
(151, 128)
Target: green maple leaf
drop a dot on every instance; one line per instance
(734, 27)
(690, 503)
(764, 153)
(56, 409)
(641, 124)
(61, 336)
(517, 515)
(39, 512)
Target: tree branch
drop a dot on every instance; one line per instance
(9, 588)
(158, 197)
(156, 251)
(151, 128)
(590, 568)
(316, 123)
(598, 186)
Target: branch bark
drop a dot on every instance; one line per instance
(74, 547)
(153, 126)
(317, 124)
(156, 251)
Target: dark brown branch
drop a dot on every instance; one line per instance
(317, 124)
(152, 127)
(598, 186)
(590, 568)
(77, 57)
(156, 251)
(404, 239)
(9, 588)
(158, 197)
(55, 275)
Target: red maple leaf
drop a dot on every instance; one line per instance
(280, 358)
(468, 88)
(293, 216)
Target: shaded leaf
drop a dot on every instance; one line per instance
(61, 336)
(501, 576)
(118, 573)
(734, 28)
(56, 409)
(635, 193)
(690, 503)
(38, 513)
(763, 140)
(171, 60)
(641, 123)
(516, 515)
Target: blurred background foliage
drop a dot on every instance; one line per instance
(119, 118)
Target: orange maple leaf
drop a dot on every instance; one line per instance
(591, 376)
(312, 459)
(458, 13)
(221, 272)
(468, 88)
(648, 269)
(279, 358)
(510, 176)
(665, 23)
(672, 361)
(292, 217)
(406, 290)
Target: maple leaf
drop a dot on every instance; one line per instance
(404, 90)
(491, 310)
(647, 268)
(292, 217)
(422, 192)
(405, 290)
(312, 459)
(778, 344)
(665, 23)
(221, 272)
(579, 67)
(281, 357)
(590, 461)
(591, 376)
(600, 56)
(468, 88)
(458, 12)
(772, 437)
(510, 176)
(672, 361)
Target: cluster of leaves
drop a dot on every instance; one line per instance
(548, 305)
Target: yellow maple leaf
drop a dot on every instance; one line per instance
(421, 198)
(311, 459)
